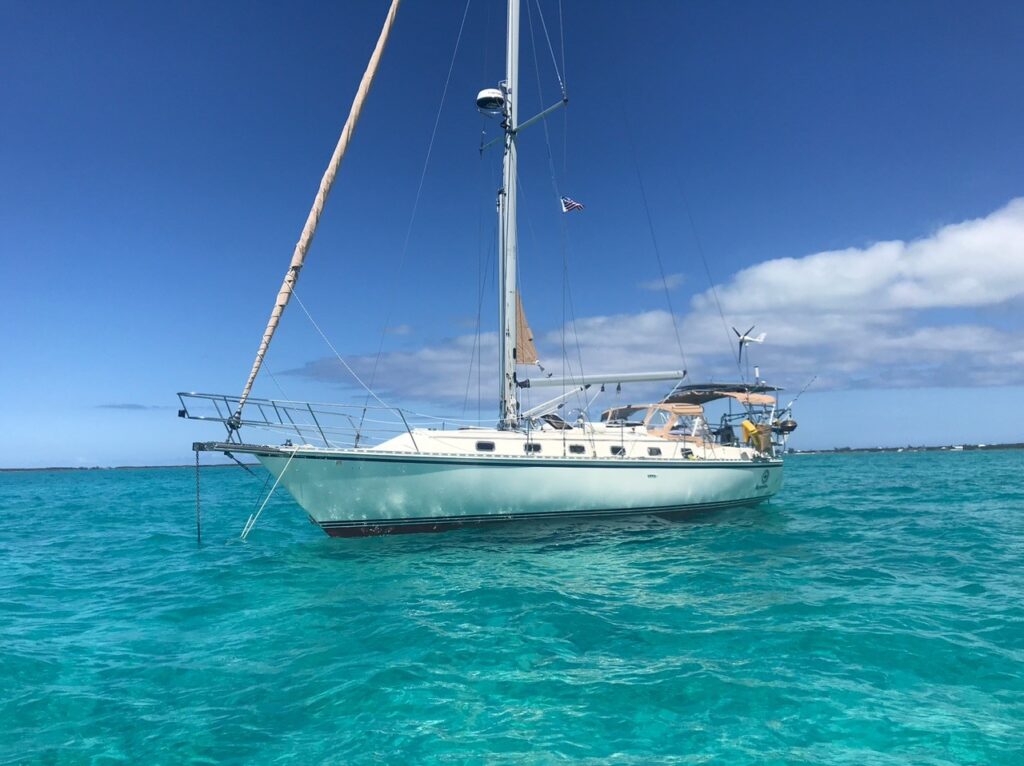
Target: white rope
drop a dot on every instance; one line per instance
(253, 518)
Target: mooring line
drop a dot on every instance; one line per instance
(253, 518)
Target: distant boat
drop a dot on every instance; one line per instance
(354, 476)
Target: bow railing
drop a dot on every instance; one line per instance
(313, 423)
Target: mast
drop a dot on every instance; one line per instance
(309, 230)
(508, 412)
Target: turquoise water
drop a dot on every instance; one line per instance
(871, 614)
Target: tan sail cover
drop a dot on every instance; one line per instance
(679, 410)
(763, 400)
(526, 351)
(306, 238)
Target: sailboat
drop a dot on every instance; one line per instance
(361, 470)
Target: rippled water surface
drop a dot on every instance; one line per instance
(873, 613)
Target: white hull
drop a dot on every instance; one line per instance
(365, 492)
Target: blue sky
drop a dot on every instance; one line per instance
(850, 172)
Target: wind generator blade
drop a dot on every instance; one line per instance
(309, 230)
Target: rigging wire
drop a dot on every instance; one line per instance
(419, 187)
(554, 62)
(277, 383)
(341, 359)
(707, 270)
(483, 271)
(561, 32)
(563, 224)
(565, 112)
(567, 297)
(486, 258)
(273, 377)
(484, 261)
(524, 215)
(479, 299)
(654, 239)
(789, 407)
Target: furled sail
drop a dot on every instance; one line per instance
(526, 352)
(306, 238)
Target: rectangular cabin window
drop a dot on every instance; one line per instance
(531, 447)
(485, 446)
(654, 451)
(577, 449)
(618, 451)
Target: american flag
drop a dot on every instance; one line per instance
(569, 205)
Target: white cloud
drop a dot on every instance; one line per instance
(432, 373)
(402, 329)
(975, 263)
(670, 282)
(892, 314)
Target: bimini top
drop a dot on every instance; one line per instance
(676, 410)
(701, 393)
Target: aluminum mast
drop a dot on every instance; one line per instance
(508, 245)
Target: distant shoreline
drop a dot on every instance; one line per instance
(832, 451)
(910, 448)
(126, 467)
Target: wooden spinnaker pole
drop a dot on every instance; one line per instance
(309, 230)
